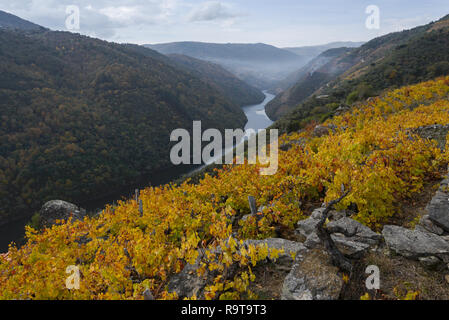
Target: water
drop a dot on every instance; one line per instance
(257, 119)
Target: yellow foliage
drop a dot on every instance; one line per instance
(372, 151)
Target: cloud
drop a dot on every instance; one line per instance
(210, 11)
(99, 18)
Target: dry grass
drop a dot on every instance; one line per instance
(398, 276)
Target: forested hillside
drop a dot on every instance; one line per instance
(229, 85)
(133, 251)
(389, 61)
(301, 84)
(81, 117)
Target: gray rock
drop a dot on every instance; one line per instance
(313, 241)
(436, 132)
(321, 130)
(415, 244)
(354, 230)
(341, 110)
(429, 226)
(307, 229)
(313, 277)
(430, 262)
(350, 248)
(438, 208)
(308, 226)
(147, 295)
(60, 210)
(188, 283)
(287, 146)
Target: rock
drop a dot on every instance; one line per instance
(415, 244)
(429, 226)
(430, 262)
(287, 146)
(60, 210)
(321, 130)
(313, 241)
(354, 230)
(350, 248)
(307, 228)
(188, 283)
(341, 109)
(438, 208)
(147, 295)
(313, 277)
(436, 132)
(289, 247)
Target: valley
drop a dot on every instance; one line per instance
(99, 199)
(15, 231)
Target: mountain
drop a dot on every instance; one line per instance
(9, 21)
(390, 61)
(307, 80)
(239, 92)
(260, 65)
(310, 52)
(81, 118)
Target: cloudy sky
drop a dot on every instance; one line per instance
(278, 22)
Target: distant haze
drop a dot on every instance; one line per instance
(260, 65)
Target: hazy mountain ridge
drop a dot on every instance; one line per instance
(229, 85)
(259, 65)
(9, 21)
(388, 61)
(307, 80)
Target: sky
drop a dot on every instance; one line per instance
(282, 23)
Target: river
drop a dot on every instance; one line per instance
(257, 119)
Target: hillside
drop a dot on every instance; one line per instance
(260, 65)
(239, 92)
(373, 152)
(301, 84)
(81, 117)
(9, 21)
(386, 62)
(314, 51)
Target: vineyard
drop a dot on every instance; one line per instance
(373, 151)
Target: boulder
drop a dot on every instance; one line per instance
(313, 277)
(415, 244)
(425, 224)
(354, 230)
(60, 210)
(307, 229)
(438, 208)
(322, 130)
(351, 237)
(348, 247)
(188, 283)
